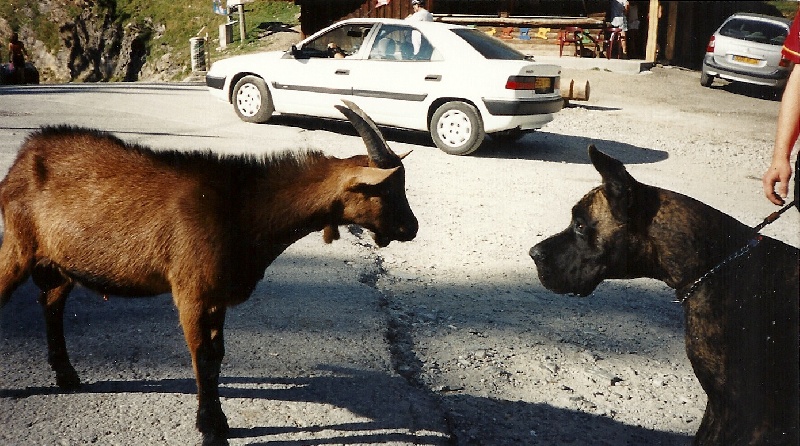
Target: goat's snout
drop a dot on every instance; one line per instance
(409, 230)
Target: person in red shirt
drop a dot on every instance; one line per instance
(780, 171)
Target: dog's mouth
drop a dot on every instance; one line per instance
(558, 286)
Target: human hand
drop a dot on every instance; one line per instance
(778, 174)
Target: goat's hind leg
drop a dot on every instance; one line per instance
(15, 266)
(55, 288)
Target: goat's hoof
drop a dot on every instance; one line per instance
(68, 380)
(213, 425)
(214, 440)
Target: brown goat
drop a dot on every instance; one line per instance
(81, 206)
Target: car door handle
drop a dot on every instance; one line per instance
(342, 72)
(433, 77)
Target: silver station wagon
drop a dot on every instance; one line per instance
(455, 82)
(747, 48)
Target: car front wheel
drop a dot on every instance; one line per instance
(457, 128)
(252, 100)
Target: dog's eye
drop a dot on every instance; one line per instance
(579, 226)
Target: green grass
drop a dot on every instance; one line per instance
(26, 13)
(786, 7)
(174, 22)
(195, 18)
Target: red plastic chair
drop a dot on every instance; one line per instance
(612, 42)
(569, 36)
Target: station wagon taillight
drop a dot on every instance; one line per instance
(537, 83)
(710, 46)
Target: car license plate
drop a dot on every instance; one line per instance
(543, 85)
(747, 60)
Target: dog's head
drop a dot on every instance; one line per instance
(604, 239)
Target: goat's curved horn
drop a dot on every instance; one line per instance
(379, 152)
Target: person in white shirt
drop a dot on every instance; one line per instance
(420, 13)
(618, 15)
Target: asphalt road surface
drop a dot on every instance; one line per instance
(448, 339)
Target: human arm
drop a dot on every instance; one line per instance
(776, 179)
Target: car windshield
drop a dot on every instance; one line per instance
(754, 31)
(488, 46)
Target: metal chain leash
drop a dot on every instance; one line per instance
(752, 243)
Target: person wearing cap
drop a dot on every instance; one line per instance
(420, 13)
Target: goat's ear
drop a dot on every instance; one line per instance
(371, 176)
(403, 156)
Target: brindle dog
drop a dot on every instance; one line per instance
(741, 320)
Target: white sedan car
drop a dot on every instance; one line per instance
(455, 82)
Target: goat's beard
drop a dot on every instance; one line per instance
(330, 233)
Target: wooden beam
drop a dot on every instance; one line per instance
(550, 22)
(652, 31)
(672, 27)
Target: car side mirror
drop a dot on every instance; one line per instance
(298, 53)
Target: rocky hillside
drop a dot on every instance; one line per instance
(123, 40)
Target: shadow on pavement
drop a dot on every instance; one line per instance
(364, 393)
(539, 145)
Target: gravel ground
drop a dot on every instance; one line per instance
(448, 339)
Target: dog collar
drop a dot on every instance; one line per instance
(752, 243)
(684, 296)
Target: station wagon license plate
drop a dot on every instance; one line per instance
(747, 60)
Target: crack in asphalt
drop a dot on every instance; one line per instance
(399, 332)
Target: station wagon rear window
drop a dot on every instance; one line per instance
(488, 46)
(758, 31)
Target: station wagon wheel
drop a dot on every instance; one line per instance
(705, 79)
(252, 100)
(457, 128)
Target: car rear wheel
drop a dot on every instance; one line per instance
(457, 128)
(252, 100)
(705, 79)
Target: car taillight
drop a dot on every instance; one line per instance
(537, 83)
(710, 46)
(521, 83)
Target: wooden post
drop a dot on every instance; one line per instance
(688, 41)
(652, 31)
(672, 26)
(242, 29)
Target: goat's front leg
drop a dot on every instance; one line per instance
(55, 290)
(203, 331)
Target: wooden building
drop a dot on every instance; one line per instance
(674, 32)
